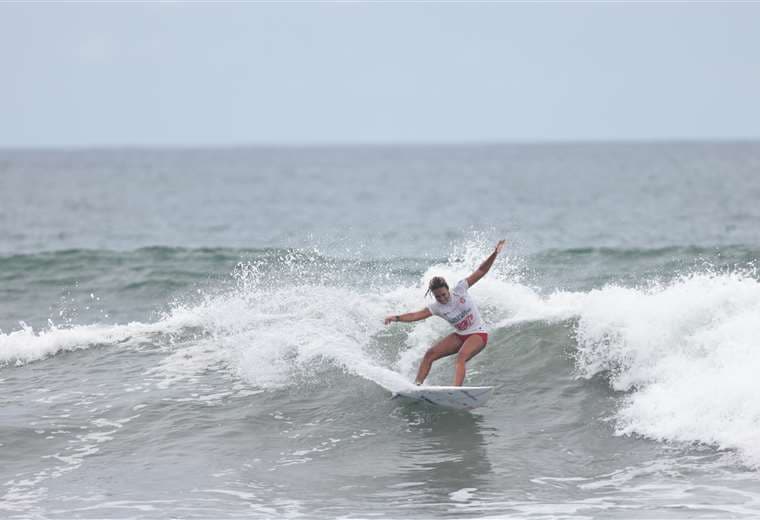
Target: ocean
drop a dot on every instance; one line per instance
(198, 333)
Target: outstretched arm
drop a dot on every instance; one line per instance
(409, 316)
(481, 271)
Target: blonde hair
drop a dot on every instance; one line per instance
(436, 283)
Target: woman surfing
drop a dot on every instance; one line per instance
(456, 307)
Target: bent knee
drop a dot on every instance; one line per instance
(430, 354)
(464, 357)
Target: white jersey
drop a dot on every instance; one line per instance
(460, 311)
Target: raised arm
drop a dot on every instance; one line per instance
(481, 271)
(409, 316)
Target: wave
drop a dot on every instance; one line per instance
(67, 257)
(174, 266)
(27, 345)
(686, 353)
(729, 250)
(225, 255)
(682, 355)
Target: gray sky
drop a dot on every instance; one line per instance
(299, 73)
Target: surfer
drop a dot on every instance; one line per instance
(456, 307)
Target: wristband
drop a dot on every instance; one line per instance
(398, 318)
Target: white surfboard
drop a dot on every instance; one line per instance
(459, 397)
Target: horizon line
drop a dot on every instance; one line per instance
(375, 144)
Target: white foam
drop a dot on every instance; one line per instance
(689, 354)
(26, 345)
(268, 337)
(462, 495)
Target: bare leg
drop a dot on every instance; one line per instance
(470, 349)
(446, 347)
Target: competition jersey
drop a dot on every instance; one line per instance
(461, 311)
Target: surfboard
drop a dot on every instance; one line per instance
(458, 397)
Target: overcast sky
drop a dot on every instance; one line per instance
(314, 73)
